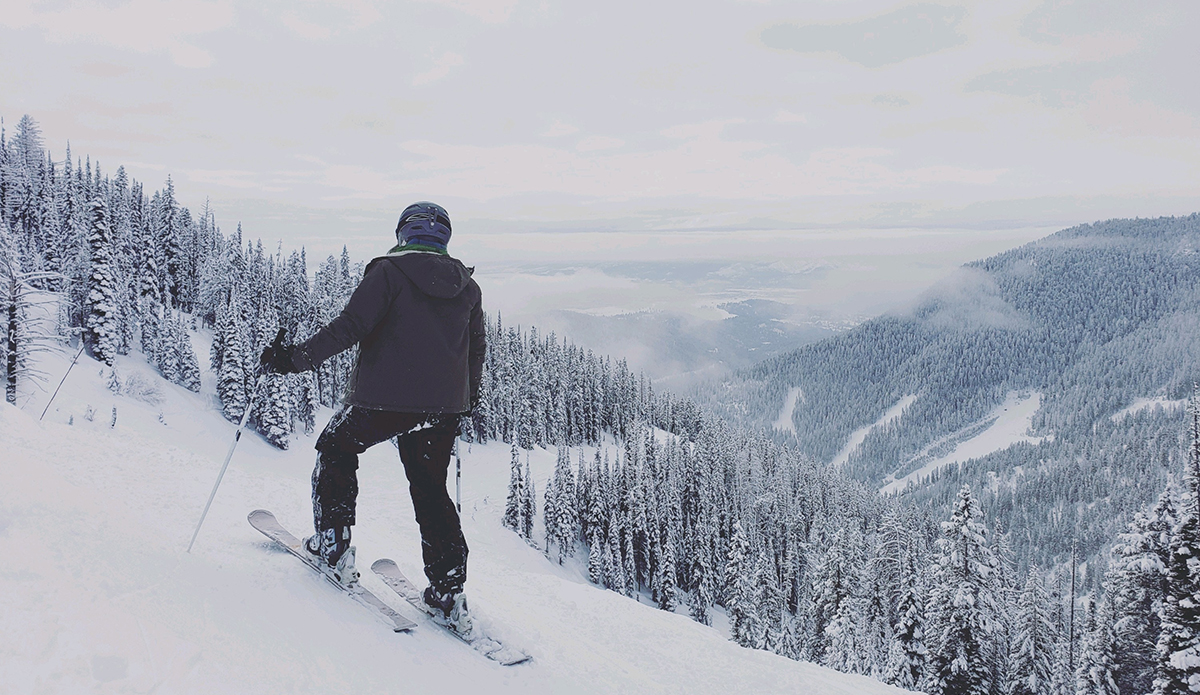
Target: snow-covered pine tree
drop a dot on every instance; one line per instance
(628, 553)
(1034, 640)
(550, 510)
(307, 401)
(231, 379)
(528, 504)
(963, 603)
(703, 577)
(13, 293)
(665, 570)
(1094, 676)
(185, 356)
(595, 561)
(843, 634)
(612, 555)
(833, 582)
(740, 589)
(1178, 647)
(274, 417)
(907, 654)
(1136, 584)
(167, 356)
(102, 330)
(516, 493)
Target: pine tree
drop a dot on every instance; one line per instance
(962, 603)
(612, 556)
(231, 380)
(13, 299)
(307, 401)
(528, 504)
(703, 577)
(550, 510)
(1096, 665)
(740, 589)
(833, 583)
(516, 493)
(665, 575)
(907, 654)
(596, 561)
(1137, 587)
(103, 331)
(185, 357)
(167, 356)
(1178, 646)
(274, 417)
(1034, 640)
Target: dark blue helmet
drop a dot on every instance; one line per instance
(424, 223)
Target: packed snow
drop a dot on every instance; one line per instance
(858, 436)
(99, 595)
(1010, 422)
(784, 422)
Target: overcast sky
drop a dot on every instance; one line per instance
(312, 121)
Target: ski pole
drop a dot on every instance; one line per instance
(236, 437)
(457, 478)
(64, 380)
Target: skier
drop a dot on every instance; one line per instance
(418, 321)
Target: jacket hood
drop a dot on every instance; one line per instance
(436, 275)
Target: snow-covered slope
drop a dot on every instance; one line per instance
(98, 595)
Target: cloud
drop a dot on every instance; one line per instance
(319, 20)
(490, 11)
(441, 67)
(304, 28)
(593, 143)
(145, 26)
(910, 32)
(785, 116)
(969, 300)
(559, 129)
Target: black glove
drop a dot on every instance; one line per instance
(278, 360)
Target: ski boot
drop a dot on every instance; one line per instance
(450, 609)
(335, 554)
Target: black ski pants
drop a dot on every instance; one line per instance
(425, 441)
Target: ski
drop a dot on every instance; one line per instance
(490, 647)
(266, 523)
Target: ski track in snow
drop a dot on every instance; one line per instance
(102, 598)
(1013, 418)
(858, 436)
(784, 422)
(1141, 404)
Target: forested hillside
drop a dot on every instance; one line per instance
(1094, 319)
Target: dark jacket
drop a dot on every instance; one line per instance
(418, 319)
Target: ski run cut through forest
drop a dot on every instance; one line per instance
(628, 539)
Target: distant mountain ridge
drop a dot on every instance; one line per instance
(1091, 319)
